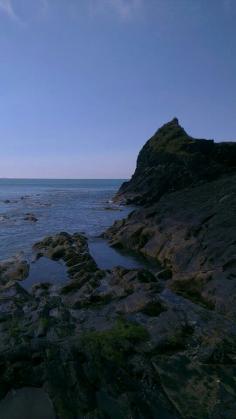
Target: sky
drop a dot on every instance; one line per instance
(84, 83)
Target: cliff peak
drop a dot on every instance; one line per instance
(171, 160)
(170, 125)
(173, 121)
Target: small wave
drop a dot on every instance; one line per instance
(3, 218)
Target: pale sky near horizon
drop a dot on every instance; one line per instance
(84, 83)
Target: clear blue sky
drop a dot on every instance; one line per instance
(84, 83)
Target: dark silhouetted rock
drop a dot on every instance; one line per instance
(30, 217)
(172, 160)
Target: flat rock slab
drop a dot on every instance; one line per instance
(27, 403)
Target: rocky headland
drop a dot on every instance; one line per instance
(134, 343)
(172, 160)
(188, 218)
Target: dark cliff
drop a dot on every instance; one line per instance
(187, 222)
(188, 218)
(172, 160)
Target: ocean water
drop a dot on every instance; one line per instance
(59, 205)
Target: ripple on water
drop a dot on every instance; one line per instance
(59, 205)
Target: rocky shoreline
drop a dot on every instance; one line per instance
(133, 343)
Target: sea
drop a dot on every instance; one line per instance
(75, 205)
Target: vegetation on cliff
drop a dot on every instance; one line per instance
(172, 160)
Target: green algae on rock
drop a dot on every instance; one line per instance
(130, 343)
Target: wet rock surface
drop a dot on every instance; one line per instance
(192, 233)
(134, 343)
(113, 343)
(70, 339)
(15, 268)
